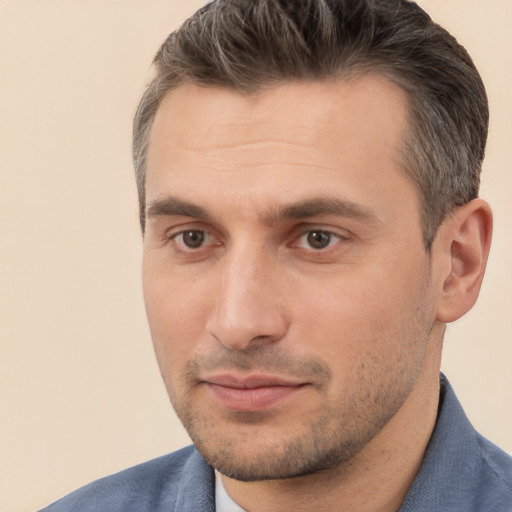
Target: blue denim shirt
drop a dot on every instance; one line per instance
(461, 472)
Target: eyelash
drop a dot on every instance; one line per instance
(326, 233)
(181, 246)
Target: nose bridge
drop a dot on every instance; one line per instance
(247, 307)
(248, 261)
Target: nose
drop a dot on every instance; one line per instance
(248, 309)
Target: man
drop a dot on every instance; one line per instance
(308, 178)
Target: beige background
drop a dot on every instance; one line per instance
(80, 393)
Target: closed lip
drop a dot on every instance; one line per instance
(251, 393)
(250, 381)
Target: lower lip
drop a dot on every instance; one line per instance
(252, 399)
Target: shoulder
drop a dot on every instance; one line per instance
(153, 485)
(495, 476)
(461, 470)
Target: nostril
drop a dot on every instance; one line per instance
(237, 330)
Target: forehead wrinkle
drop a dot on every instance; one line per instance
(237, 147)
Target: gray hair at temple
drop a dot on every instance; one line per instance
(246, 45)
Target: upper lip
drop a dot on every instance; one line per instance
(249, 381)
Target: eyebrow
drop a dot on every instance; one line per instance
(320, 206)
(171, 206)
(313, 207)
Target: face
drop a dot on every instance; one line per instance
(287, 287)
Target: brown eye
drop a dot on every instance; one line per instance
(318, 239)
(192, 239)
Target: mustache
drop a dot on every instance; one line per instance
(259, 359)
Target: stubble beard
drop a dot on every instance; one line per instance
(327, 439)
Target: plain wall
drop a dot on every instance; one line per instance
(80, 392)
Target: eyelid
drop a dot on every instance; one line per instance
(185, 225)
(340, 234)
(209, 239)
(213, 238)
(171, 234)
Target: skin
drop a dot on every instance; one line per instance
(283, 241)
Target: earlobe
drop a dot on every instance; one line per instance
(465, 240)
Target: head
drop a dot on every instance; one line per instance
(296, 166)
(246, 46)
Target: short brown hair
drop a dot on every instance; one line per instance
(248, 44)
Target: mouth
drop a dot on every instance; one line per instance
(251, 393)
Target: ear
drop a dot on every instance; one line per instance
(462, 245)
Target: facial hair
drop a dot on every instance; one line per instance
(321, 440)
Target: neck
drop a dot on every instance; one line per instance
(377, 478)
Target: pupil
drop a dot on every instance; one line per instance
(318, 239)
(193, 239)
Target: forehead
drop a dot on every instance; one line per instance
(290, 140)
(369, 105)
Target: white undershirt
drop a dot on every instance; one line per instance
(223, 503)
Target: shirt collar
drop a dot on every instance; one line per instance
(223, 502)
(451, 460)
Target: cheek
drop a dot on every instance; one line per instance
(357, 320)
(177, 314)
